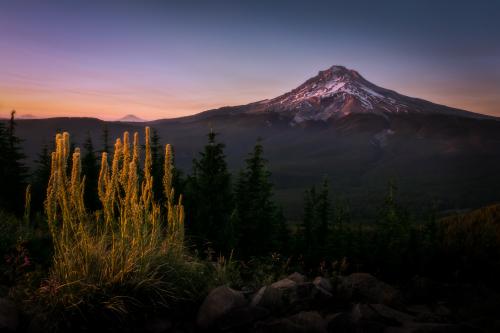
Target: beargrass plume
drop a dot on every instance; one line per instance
(128, 254)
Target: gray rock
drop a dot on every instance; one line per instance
(219, 302)
(297, 277)
(364, 312)
(323, 283)
(367, 288)
(9, 316)
(284, 284)
(269, 298)
(392, 314)
(323, 289)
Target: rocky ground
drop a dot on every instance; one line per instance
(352, 304)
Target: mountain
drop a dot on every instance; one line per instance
(130, 118)
(339, 92)
(339, 125)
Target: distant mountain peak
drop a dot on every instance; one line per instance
(131, 118)
(338, 92)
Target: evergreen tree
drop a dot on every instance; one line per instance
(305, 237)
(255, 207)
(90, 169)
(323, 215)
(283, 233)
(392, 236)
(157, 159)
(40, 179)
(13, 170)
(210, 198)
(341, 240)
(105, 138)
(4, 149)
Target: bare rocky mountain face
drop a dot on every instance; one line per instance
(336, 124)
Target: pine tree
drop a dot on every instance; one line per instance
(105, 138)
(392, 234)
(13, 170)
(90, 169)
(157, 159)
(323, 215)
(40, 179)
(210, 198)
(255, 207)
(305, 236)
(283, 233)
(4, 149)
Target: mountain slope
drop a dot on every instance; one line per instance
(335, 93)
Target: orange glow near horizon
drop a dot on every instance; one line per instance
(44, 103)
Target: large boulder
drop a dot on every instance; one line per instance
(269, 298)
(219, 302)
(284, 284)
(323, 289)
(323, 283)
(363, 287)
(392, 314)
(297, 277)
(364, 313)
(9, 316)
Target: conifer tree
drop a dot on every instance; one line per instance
(90, 169)
(105, 138)
(255, 207)
(283, 233)
(3, 164)
(210, 198)
(40, 179)
(393, 233)
(158, 160)
(13, 169)
(306, 231)
(323, 215)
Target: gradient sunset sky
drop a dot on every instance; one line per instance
(163, 59)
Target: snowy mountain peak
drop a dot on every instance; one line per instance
(130, 118)
(338, 92)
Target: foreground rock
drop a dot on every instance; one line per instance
(219, 302)
(365, 287)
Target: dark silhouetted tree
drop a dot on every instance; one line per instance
(209, 198)
(13, 170)
(40, 179)
(256, 210)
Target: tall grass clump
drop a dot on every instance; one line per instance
(127, 255)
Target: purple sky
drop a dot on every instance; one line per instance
(162, 59)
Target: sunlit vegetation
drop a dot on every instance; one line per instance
(129, 253)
